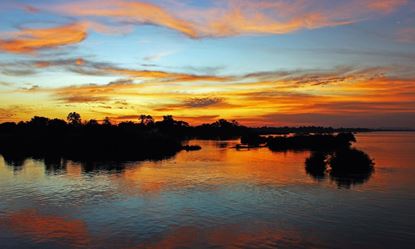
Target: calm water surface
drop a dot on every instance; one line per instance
(214, 198)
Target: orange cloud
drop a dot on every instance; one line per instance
(79, 61)
(243, 17)
(90, 93)
(386, 5)
(128, 11)
(257, 99)
(82, 99)
(232, 17)
(201, 103)
(68, 62)
(29, 40)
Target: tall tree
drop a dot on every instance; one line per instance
(74, 118)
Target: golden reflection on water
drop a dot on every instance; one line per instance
(216, 165)
(394, 156)
(213, 167)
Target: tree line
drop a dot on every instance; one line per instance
(145, 139)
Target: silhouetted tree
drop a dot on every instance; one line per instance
(181, 123)
(318, 142)
(57, 123)
(106, 121)
(169, 122)
(222, 129)
(316, 165)
(223, 123)
(305, 130)
(351, 161)
(347, 137)
(146, 120)
(127, 125)
(37, 121)
(129, 140)
(74, 118)
(92, 122)
(252, 139)
(168, 119)
(8, 127)
(347, 166)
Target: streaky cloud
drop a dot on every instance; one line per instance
(232, 17)
(348, 92)
(127, 11)
(30, 40)
(320, 77)
(203, 102)
(82, 99)
(89, 67)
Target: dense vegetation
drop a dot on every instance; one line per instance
(312, 142)
(145, 139)
(332, 155)
(306, 129)
(52, 139)
(345, 165)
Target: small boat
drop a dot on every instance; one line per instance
(242, 146)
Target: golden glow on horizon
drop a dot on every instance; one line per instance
(249, 102)
(69, 63)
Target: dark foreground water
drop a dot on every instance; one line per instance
(214, 198)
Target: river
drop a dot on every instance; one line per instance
(217, 197)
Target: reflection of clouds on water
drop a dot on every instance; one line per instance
(231, 236)
(44, 228)
(215, 164)
(64, 232)
(216, 197)
(209, 168)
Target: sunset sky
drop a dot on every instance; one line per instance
(264, 62)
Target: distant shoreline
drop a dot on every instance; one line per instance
(312, 129)
(150, 139)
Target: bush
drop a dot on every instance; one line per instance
(351, 160)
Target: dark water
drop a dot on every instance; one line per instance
(214, 198)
